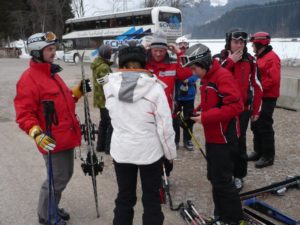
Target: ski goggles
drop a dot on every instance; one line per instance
(186, 60)
(183, 45)
(48, 37)
(239, 35)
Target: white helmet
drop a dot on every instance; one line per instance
(37, 42)
(182, 39)
(182, 42)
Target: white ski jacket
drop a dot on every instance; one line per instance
(141, 118)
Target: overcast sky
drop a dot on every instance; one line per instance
(95, 7)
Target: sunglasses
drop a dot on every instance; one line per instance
(239, 35)
(186, 60)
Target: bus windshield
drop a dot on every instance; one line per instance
(169, 17)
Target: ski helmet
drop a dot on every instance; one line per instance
(262, 38)
(235, 34)
(37, 42)
(132, 52)
(198, 53)
(182, 42)
(105, 52)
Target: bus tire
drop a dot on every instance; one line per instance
(76, 59)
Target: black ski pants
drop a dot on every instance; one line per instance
(187, 107)
(219, 172)
(240, 159)
(104, 131)
(151, 182)
(263, 132)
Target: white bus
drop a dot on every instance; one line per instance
(88, 33)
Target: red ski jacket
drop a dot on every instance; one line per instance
(221, 103)
(168, 71)
(269, 68)
(37, 84)
(248, 79)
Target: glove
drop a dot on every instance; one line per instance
(168, 166)
(103, 80)
(88, 85)
(78, 90)
(186, 122)
(42, 140)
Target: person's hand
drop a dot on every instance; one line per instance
(173, 48)
(186, 81)
(78, 90)
(88, 85)
(41, 139)
(236, 56)
(197, 117)
(254, 118)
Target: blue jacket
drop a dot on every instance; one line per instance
(191, 92)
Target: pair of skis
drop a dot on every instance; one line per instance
(277, 188)
(254, 207)
(91, 165)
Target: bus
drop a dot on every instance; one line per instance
(115, 29)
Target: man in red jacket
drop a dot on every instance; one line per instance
(221, 104)
(166, 69)
(40, 82)
(243, 66)
(269, 68)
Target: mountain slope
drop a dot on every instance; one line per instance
(280, 18)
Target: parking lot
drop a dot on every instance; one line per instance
(22, 168)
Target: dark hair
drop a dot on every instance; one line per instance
(132, 53)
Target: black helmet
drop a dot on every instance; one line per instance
(236, 34)
(132, 52)
(105, 52)
(198, 53)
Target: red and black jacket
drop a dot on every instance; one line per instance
(247, 76)
(36, 85)
(168, 71)
(221, 103)
(269, 67)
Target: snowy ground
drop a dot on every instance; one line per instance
(22, 168)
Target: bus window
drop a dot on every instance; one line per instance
(112, 22)
(104, 23)
(142, 20)
(68, 45)
(82, 43)
(67, 28)
(169, 17)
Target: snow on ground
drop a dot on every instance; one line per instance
(287, 49)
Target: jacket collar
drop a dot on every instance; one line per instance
(214, 67)
(44, 67)
(265, 51)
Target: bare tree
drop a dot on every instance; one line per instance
(79, 8)
(40, 8)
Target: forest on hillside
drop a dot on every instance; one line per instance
(280, 19)
(19, 18)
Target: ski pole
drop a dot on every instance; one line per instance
(50, 118)
(192, 135)
(195, 212)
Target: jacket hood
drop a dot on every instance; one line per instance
(98, 61)
(130, 85)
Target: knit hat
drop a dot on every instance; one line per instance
(132, 52)
(159, 40)
(105, 52)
